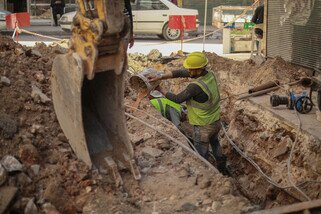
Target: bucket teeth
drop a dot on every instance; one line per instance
(114, 170)
(133, 167)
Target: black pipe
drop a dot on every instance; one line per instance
(267, 85)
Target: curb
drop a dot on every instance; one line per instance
(46, 33)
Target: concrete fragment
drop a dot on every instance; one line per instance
(40, 77)
(35, 169)
(188, 207)
(281, 149)
(35, 128)
(5, 81)
(146, 199)
(147, 136)
(205, 184)
(31, 208)
(3, 175)
(207, 201)
(33, 52)
(11, 164)
(23, 179)
(136, 139)
(7, 194)
(151, 152)
(19, 51)
(215, 206)
(37, 95)
(8, 127)
(48, 208)
(154, 55)
(264, 136)
(163, 144)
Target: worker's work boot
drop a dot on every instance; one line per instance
(221, 166)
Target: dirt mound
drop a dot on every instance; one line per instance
(27, 122)
(51, 177)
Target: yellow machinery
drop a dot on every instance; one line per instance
(88, 86)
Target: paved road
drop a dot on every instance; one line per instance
(58, 33)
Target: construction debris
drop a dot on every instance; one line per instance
(11, 164)
(51, 179)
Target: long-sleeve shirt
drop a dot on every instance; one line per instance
(258, 17)
(59, 3)
(192, 91)
(128, 12)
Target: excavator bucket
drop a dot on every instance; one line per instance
(88, 89)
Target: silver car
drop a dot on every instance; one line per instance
(3, 14)
(149, 16)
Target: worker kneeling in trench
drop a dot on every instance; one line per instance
(203, 107)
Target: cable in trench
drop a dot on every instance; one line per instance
(168, 125)
(175, 141)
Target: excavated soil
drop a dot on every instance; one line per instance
(172, 179)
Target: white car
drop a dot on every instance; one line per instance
(3, 14)
(150, 17)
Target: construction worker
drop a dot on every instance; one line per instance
(57, 8)
(203, 106)
(169, 109)
(258, 19)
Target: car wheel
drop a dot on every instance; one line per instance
(171, 34)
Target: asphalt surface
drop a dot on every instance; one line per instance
(56, 32)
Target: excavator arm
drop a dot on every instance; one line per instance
(88, 87)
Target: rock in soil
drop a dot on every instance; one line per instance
(3, 175)
(5, 81)
(188, 207)
(37, 95)
(7, 194)
(151, 152)
(31, 208)
(11, 164)
(8, 127)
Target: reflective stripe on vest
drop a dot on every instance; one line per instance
(162, 109)
(161, 105)
(210, 103)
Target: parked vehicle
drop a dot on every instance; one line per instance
(3, 14)
(150, 17)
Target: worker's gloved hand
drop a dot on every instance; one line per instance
(153, 77)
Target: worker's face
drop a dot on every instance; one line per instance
(195, 72)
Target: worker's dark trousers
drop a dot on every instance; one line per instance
(203, 147)
(204, 137)
(55, 11)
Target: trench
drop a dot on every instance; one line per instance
(270, 150)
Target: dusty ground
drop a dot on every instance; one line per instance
(172, 180)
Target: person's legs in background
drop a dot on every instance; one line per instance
(54, 14)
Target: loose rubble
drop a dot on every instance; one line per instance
(37, 160)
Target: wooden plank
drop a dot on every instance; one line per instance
(7, 194)
(292, 208)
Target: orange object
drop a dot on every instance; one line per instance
(17, 20)
(182, 22)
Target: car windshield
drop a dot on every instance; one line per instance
(4, 12)
(152, 5)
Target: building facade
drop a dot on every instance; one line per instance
(293, 31)
(200, 6)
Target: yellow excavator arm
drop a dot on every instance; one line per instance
(88, 87)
